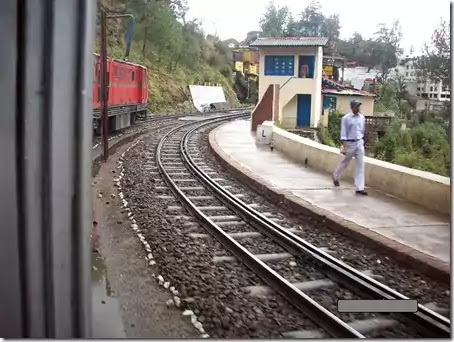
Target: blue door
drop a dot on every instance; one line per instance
(303, 118)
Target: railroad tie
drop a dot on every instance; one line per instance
(305, 286)
(269, 257)
(364, 326)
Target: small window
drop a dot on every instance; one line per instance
(435, 89)
(133, 75)
(408, 67)
(279, 65)
(406, 74)
(431, 88)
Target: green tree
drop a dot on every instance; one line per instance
(292, 29)
(312, 22)
(435, 63)
(387, 50)
(331, 28)
(274, 22)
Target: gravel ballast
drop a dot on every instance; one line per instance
(216, 292)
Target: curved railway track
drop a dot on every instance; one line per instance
(226, 216)
(146, 124)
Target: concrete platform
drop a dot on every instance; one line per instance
(410, 229)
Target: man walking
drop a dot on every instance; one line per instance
(353, 127)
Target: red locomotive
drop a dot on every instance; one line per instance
(127, 93)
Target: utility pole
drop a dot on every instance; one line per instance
(104, 85)
(104, 80)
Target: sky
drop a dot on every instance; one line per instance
(234, 18)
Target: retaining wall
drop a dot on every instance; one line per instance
(423, 188)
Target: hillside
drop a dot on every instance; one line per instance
(175, 54)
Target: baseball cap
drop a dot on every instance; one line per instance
(355, 103)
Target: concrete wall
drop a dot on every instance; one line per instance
(423, 188)
(343, 104)
(264, 109)
(294, 86)
(288, 119)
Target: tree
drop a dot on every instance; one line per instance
(401, 94)
(435, 63)
(331, 28)
(387, 49)
(274, 22)
(312, 23)
(180, 8)
(292, 29)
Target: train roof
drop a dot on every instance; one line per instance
(124, 62)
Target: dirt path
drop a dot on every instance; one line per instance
(127, 301)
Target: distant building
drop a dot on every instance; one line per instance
(246, 61)
(435, 92)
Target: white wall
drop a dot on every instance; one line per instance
(289, 112)
(204, 95)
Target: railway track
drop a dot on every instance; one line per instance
(232, 221)
(146, 124)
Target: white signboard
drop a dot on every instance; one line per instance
(203, 96)
(358, 75)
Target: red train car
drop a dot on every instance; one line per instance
(127, 93)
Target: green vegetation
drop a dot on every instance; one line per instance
(176, 52)
(331, 135)
(382, 50)
(424, 147)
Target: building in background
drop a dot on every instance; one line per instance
(294, 64)
(246, 61)
(435, 93)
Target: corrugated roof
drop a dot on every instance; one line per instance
(290, 41)
(347, 92)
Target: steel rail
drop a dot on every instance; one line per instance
(335, 269)
(317, 313)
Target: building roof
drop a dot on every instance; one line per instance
(290, 41)
(347, 91)
(336, 88)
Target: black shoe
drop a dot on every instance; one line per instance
(362, 192)
(336, 182)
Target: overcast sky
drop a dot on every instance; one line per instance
(234, 18)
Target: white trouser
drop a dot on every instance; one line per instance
(354, 149)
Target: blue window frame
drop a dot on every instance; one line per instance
(279, 65)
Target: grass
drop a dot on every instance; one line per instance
(169, 92)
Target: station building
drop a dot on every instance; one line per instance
(293, 90)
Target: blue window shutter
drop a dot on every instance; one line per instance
(279, 65)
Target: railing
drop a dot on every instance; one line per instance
(377, 123)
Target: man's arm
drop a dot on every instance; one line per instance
(364, 126)
(343, 133)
